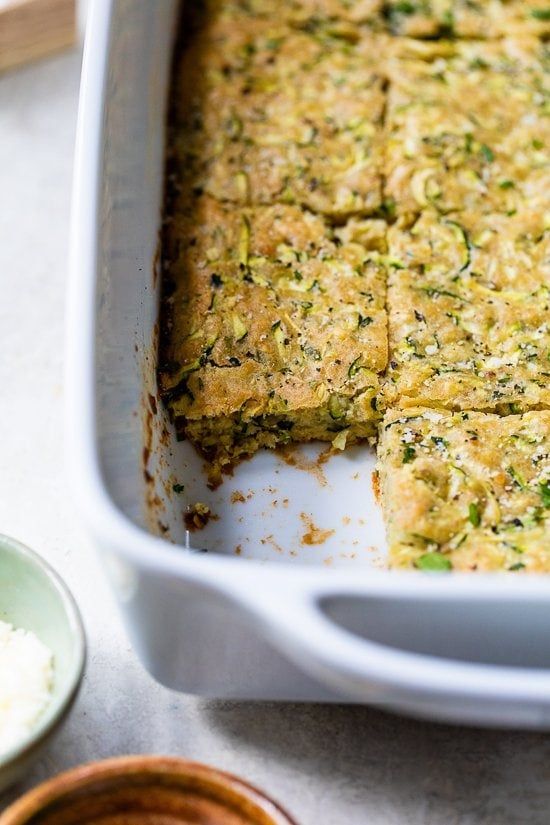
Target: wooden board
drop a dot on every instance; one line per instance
(30, 29)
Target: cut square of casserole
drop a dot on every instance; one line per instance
(266, 113)
(467, 491)
(469, 304)
(467, 126)
(467, 18)
(275, 328)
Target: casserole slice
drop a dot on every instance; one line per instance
(263, 112)
(467, 491)
(275, 328)
(467, 126)
(469, 303)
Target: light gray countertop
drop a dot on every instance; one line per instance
(328, 765)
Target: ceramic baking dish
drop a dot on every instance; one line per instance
(291, 599)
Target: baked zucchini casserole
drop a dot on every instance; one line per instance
(356, 245)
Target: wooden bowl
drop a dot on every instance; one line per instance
(145, 790)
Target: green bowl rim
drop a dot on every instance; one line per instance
(55, 712)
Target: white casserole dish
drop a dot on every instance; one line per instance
(284, 619)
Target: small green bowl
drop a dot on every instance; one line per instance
(32, 596)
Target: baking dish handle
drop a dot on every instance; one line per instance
(367, 669)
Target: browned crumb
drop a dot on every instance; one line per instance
(270, 540)
(153, 403)
(325, 454)
(238, 550)
(375, 481)
(346, 520)
(165, 437)
(214, 483)
(154, 501)
(237, 496)
(291, 456)
(285, 502)
(197, 516)
(313, 534)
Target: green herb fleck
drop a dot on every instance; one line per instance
(409, 454)
(447, 23)
(178, 488)
(474, 516)
(435, 292)
(518, 566)
(355, 367)
(540, 14)
(516, 477)
(403, 7)
(388, 205)
(544, 488)
(433, 562)
(487, 153)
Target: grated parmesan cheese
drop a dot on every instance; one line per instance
(26, 678)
